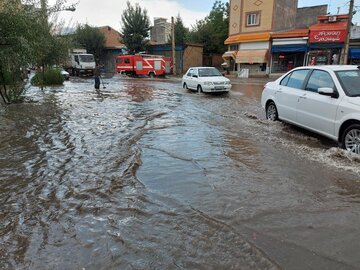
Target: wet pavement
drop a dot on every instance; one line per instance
(146, 175)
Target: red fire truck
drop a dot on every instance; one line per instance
(143, 64)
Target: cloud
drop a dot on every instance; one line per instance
(108, 12)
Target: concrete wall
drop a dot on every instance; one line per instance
(307, 16)
(285, 15)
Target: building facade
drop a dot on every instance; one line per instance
(354, 51)
(113, 47)
(250, 26)
(161, 31)
(288, 50)
(267, 35)
(327, 39)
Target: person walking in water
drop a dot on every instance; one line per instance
(97, 76)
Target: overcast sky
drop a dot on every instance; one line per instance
(108, 12)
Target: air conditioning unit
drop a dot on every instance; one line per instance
(332, 19)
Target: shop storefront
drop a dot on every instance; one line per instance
(354, 56)
(288, 50)
(252, 62)
(326, 40)
(229, 60)
(252, 57)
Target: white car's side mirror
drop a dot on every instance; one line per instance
(327, 91)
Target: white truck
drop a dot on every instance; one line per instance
(80, 63)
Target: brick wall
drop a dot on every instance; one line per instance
(192, 57)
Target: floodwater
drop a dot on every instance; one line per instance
(146, 175)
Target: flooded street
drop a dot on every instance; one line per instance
(146, 175)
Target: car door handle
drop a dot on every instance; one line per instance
(303, 97)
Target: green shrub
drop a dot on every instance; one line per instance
(8, 79)
(51, 77)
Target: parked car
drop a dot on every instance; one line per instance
(205, 79)
(63, 72)
(323, 99)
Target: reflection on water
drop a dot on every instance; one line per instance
(145, 175)
(139, 93)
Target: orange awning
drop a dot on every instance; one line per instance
(229, 54)
(252, 56)
(291, 34)
(329, 26)
(248, 38)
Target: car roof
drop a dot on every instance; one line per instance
(332, 67)
(202, 67)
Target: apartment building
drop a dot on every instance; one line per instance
(160, 32)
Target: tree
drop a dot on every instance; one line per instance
(181, 32)
(91, 39)
(15, 51)
(24, 39)
(135, 29)
(213, 30)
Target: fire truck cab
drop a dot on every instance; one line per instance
(143, 64)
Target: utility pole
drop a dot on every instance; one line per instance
(45, 18)
(44, 9)
(173, 44)
(348, 32)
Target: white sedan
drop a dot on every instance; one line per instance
(323, 99)
(205, 79)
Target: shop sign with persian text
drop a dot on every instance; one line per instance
(327, 36)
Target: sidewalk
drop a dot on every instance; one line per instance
(232, 78)
(259, 80)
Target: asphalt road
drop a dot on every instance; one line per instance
(146, 175)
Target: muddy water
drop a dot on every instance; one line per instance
(146, 175)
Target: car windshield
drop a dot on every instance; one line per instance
(209, 72)
(86, 58)
(350, 81)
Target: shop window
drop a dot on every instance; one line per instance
(319, 79)
(297, 78)
(233, 47)
(253, 18)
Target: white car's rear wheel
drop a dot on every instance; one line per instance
(351, 139)
(185, 86)
(271, 112)
(199, 89)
